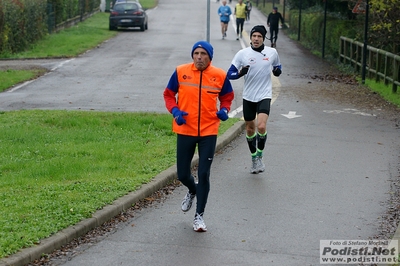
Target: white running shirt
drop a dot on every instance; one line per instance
(257, 81)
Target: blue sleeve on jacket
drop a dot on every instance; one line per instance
(233, 73)
(173, 84)
(227, 87)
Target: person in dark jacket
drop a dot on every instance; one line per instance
(273, 24)
(249, 6)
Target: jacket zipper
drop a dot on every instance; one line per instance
(199, 116)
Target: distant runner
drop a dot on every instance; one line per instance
(273, 24)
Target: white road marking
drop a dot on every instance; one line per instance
(291, 114)
(348, 111)
(30, 81)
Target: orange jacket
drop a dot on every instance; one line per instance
(198, 95)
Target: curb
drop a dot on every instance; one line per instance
(63, 237)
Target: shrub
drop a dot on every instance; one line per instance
(21, 22)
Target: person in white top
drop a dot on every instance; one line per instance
(255, 64)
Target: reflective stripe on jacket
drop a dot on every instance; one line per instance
(198, 95)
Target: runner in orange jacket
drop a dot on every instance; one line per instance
(192, 96)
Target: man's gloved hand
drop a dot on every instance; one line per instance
(223, 114)
(178, 116)
(276, 71)
(243, 71)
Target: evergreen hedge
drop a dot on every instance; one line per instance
(23, 22)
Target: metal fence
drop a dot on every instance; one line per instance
(69, 13)
(380, 65)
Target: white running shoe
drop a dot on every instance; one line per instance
(254, 165)
(198, 223)
(187, 201)
(260, 164)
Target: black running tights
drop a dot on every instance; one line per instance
(186, 147)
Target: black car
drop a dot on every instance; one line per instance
(127, 15)
(113, 2)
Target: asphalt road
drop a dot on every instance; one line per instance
(330, 164)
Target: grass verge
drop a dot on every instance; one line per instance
(59, 167)
(71, 41)
(385, 91)
(11, 77)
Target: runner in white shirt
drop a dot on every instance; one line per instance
(256, 63)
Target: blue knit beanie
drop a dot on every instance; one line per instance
(206, 46)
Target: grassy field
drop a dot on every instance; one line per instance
(11, 77)
(59, 167)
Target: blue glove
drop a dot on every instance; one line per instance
(178, 115)
(223, 114)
